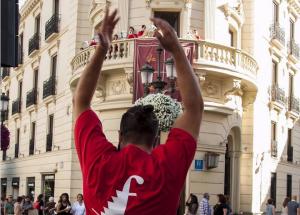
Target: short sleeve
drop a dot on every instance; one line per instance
(178, 152)
(91, 143)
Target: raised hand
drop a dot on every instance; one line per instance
(106, 29)
(166, 35)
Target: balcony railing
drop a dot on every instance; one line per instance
(274, 148)
(294, 104)
(290, 151)
(16, 107)
(34, 43)
(278, 94)
(5, 72)
(49, 87)
(16, 150)
(31, 147)
(278, 33)
(49, 142)
(294, 49)
(31, 97)
(51, 26)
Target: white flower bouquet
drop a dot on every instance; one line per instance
(166, 109)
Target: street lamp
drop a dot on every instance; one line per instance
(171, 72)
(147, 76)
(4, 106)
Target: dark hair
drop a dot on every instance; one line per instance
(67, 197)
(131, 28)
(139, 125)
(40, 197)
(222, 198)
(143, 26)
(193, 204)
(270, 201)
(19, 199)
(79, 194)
(285, 202)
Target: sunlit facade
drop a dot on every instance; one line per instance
(247, 62)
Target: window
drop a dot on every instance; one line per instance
(56, 6)
(275, 12)
(273, 131)
(31, 187)
(50, 134)
(3, 187)
(289, 146)
(53, 66)
(231, 38)
(273, 187)
(20, 92)
(15, 187)
(48, 182)
(4, 155)
(17, 143)
(37, 24)
(292, 30)
(274, 72)
(32, 140)
(21, 48)
(35, 79)
(173, 18)
(289, 186)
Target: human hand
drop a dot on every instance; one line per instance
(106, 29)
(166, 35)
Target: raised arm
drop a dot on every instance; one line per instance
(189, 87)
(87, 83)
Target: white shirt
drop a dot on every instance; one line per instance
(78, 209)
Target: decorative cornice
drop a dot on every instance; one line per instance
(294, 6)
(28, 7)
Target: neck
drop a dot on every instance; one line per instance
(143, 147)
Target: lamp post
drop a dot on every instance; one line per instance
(171, 73)
(147, 76)
(4, 106)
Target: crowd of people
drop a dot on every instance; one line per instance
(289, 206)
(24, 205)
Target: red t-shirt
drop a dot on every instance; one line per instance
(131, 181)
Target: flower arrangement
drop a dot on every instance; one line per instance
(165, 108)
(4, 138)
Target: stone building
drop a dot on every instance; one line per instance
(247, 62)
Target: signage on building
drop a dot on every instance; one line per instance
(199, 165)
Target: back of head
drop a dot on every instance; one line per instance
(270, 201)
(19, 199)
(294, 198)
(206, 195)
(222, 198)
(139, 125)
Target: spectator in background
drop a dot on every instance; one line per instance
(204, 207)
(64, 205)
(27, 205)
(17, 206)
(116, 37)
(196, 35)
(293, 206)
(131, 33)
(141, 32)
(78, 208)
(39, 204)
(9, 206)
(270, 209)
(192, 204)
(50, 206)
(221, 207)
(284, 210)
(2, 205)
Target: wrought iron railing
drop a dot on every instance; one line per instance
(16, 150)
(5, 72)
(51, 26)
(276, 32)
(31, 97)
(34, 43)
(294, 49)
(278, 94)
(274, 148)
(16, 107)
(49, 87)
(49, 142)
(31, 147)
(294, 104)
(290, 151)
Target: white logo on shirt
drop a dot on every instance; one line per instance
(119, 203)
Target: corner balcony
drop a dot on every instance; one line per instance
(219, 62)
(278, 98)
(34, 44)
(277, 35)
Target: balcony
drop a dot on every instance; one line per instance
(293, 51)
(293, 108)
(277, 34)
(290, 152)
(31, 98)
(49, 87)
(5, 73)
(31, 147)
(34, 44)
(16, 150)
(51, 27)
(16, 107)
(49, 143)
(274, 148)
(278, 98)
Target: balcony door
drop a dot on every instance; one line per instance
(37, 24)
(56, 7)
(173, 18)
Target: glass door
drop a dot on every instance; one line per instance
(48, 186)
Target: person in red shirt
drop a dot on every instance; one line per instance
(131, 33)
(142, 31)
(138, 179)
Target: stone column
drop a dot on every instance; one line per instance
(123, 6)
(209, 19)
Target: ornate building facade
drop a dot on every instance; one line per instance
(247, 62)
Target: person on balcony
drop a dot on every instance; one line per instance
(131, 33)
(142, 31)
(138, 179)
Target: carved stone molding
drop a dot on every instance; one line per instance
(248, 99)
(236, 89)
(211, 88)
(116, 87)
(148, 2)
(129, 78)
